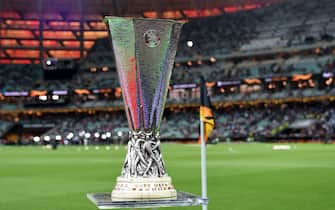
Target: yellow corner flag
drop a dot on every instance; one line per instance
(206, 113)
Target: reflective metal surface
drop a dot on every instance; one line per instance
(144, 50)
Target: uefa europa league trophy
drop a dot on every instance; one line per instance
(144, 51)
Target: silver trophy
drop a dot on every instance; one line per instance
(144, 51)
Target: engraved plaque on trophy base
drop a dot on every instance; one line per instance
(151, 188)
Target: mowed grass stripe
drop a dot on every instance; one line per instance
(240, 176)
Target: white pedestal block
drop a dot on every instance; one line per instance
(151, 188)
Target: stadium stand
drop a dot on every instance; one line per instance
(250, 59)
(266, 122)
(5, 126)
(301, 24)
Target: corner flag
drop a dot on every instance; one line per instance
(206, 113)
(206, 127)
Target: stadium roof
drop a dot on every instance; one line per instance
(31, 30)
(122, 7)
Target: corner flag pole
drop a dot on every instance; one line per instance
(203, 165)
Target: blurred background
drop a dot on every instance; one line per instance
(269, 67)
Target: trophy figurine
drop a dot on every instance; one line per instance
(144, 52)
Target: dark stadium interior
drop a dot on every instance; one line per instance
(249, 115)
(256, 65)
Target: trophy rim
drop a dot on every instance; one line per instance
(106, 18)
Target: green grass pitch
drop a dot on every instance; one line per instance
(240, 176)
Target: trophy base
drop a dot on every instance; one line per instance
(103, 201)
(136, 189)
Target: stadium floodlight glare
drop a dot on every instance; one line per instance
(103, 136)
(93, 69)
(105, 68)
(70, 135)
(36, 139)
(81, 133)
(189, 43)
(212, 59)
(108, 134)
(87, 135)
(97, 135)
(43, 98)
(48, 62)
(119, 133)
(46, 138)
(58, 137)
(55, 97)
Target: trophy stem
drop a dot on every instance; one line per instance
(144, 156)
(143, 174)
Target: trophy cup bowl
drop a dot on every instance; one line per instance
(144, 51)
